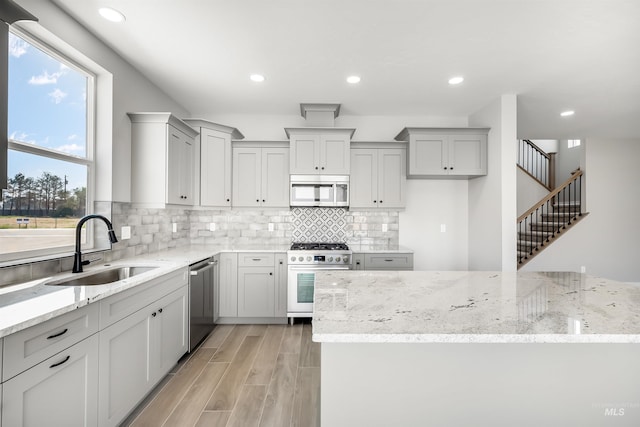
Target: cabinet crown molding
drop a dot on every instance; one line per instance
(318, 130)
(406, 132)
(163, 117)
(203, 123)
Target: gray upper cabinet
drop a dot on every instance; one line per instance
(260, 176)
(446, 152)
(213, 162)
(163, 152)
(320, 151)
(378, 177)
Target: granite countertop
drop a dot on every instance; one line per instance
(473, 307)
(33, 302)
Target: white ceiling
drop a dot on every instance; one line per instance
(556, 55)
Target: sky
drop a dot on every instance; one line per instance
(47, 107)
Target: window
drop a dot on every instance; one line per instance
(50, 150)
(572, 143)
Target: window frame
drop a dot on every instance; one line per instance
(88, 160)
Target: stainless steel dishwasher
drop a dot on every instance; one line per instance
(202, 300)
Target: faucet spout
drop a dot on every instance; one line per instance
(77, 256)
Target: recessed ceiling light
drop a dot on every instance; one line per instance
(456, 80)
(111, 14)
(256, 78)
(353, 79)
(567, 113)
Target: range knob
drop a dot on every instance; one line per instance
(308, 258)
(330, 258)
(337, 259)
(301, 259)
(345, 259)
(293, 258)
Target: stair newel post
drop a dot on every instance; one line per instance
(552, 170)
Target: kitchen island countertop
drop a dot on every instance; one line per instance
(473, 307)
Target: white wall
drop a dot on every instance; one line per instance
(132, 91)
(568, 160)
(492, 198)
(547, 145)
(431, 203)
(606, 242)
(529, 191)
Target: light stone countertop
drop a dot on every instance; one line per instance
(473, 307)
(33, 302)
(374, 249)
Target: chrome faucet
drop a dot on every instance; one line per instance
(77, 257)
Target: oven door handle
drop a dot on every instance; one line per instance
(312, 269)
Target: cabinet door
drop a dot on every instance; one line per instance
(169, 319)
(256, 292)
(428, 155)
(334, 155)
(364, 179)
(247, 174)
(281, 284)
(305, 154)
(391, 178)
(61, 391)
(179, 167)
(468, 155)
(275, 177)
(228, 302)
(125, 366)
(215, 168)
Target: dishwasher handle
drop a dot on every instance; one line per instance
(209, 266)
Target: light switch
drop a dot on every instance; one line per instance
(271, 228)
(175, 227)
(212, 226)
(443, 228)
(125, 232)
(385, 228)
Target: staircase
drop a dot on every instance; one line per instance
(550, 218)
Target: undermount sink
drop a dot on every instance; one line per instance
(103, 277)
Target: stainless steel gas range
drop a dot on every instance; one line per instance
(305, 260)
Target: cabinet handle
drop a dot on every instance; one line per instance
(281, 263)
(270, 274)
(55, 365)
(445, 168)
(58, 334)
(258, 200)
(316, 168)
(160, 311)
(255, 259)
(451, 168)
(380, 201)
(227, 200)
(263, 200)
(375, 201)
(357, 262)
(388, 260)
(154, 314)
(322, 168)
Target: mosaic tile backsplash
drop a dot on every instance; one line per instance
(319, 225)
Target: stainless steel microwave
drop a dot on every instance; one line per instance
(319, 190)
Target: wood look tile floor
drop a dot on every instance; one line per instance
(240, 376)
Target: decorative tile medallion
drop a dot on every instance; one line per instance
(319, 225)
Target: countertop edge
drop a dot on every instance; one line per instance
(476, 338)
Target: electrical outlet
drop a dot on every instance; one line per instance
(212, 226)
(175, 227)
(583, 269)
(271, 226)
(443, 228)
(125, 232)
(385, 228)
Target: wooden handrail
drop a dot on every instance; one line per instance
(550, 195)
(538, 149)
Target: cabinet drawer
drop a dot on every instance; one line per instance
(388, 261)
(31, 346)
(120, 305)
(255, 259)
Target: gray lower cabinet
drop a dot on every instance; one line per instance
(253, 287)
(383, 261)
(60, 391)
(228, 279)
(137, 351)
